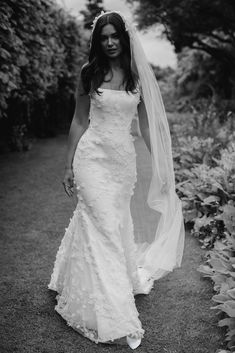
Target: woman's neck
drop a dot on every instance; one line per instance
(115, 64)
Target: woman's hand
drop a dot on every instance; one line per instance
(68, 181)
(165, 187)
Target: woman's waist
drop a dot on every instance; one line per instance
(94, 143)
(111, 132)
(105, 139)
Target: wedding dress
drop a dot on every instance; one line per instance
(95, 271)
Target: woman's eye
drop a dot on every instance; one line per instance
(114, 36)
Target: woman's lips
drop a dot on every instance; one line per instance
(111, 50)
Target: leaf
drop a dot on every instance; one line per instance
(228, 321)
(227, 307)
(22, 60)
(210, 199)
(5, 54)
(220, 298)
(4, 77)
(231, 293)
(231, 283)
(219, 246)
(230, 334)
(202, 222)
(201, 195)
(218, 279)
(232, 260)
(232, 274)
(228, 216)
(181, 183)
(220, 263)
(206, 270)
(190, 215)
(217, 185)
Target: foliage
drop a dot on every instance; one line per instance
(42, 51)
(208, 29)
(205, 192)
(190, 23)
(166, 78)
(93, 8)
(205, 171)
(204, 118)
(220, 268)
(197, 74)
(162, 73)
(204, 157)
(18, 140)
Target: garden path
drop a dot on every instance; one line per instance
(34, 213)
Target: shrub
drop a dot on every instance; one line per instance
(42, 51)
(205, 174)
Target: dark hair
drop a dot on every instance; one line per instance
(93, 73)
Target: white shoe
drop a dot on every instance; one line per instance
(133, 343)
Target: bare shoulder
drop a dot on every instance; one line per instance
(84, 66)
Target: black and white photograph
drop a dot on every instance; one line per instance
(117, 176)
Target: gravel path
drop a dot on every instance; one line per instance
(176, 315)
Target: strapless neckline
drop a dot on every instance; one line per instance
(109, 89)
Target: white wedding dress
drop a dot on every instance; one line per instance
(95, 272)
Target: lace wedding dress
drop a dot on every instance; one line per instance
(95, 272)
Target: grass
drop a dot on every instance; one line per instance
(34, 213)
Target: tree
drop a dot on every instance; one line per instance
(196, 24)
(93, 8)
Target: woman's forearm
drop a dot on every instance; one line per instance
(146, 136)
(143, 124)
(75, 133)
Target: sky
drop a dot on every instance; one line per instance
(159, 51)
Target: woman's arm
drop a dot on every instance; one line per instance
(78, 126)
(144, 128)
(143, 123)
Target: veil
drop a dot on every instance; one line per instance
(160, 256)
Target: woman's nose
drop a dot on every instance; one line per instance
(110, 41)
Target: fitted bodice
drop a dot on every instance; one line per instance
(113, 111)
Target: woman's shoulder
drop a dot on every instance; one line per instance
(84, 66)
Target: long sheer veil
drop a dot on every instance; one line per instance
(164, 253)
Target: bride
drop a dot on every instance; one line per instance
(99, 266)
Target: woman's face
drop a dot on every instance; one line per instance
(110, 41)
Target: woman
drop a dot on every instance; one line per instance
(99, 267)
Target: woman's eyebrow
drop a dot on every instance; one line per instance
(105, 35)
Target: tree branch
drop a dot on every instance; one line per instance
(217, 53)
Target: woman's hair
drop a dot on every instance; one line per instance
(93, 73)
